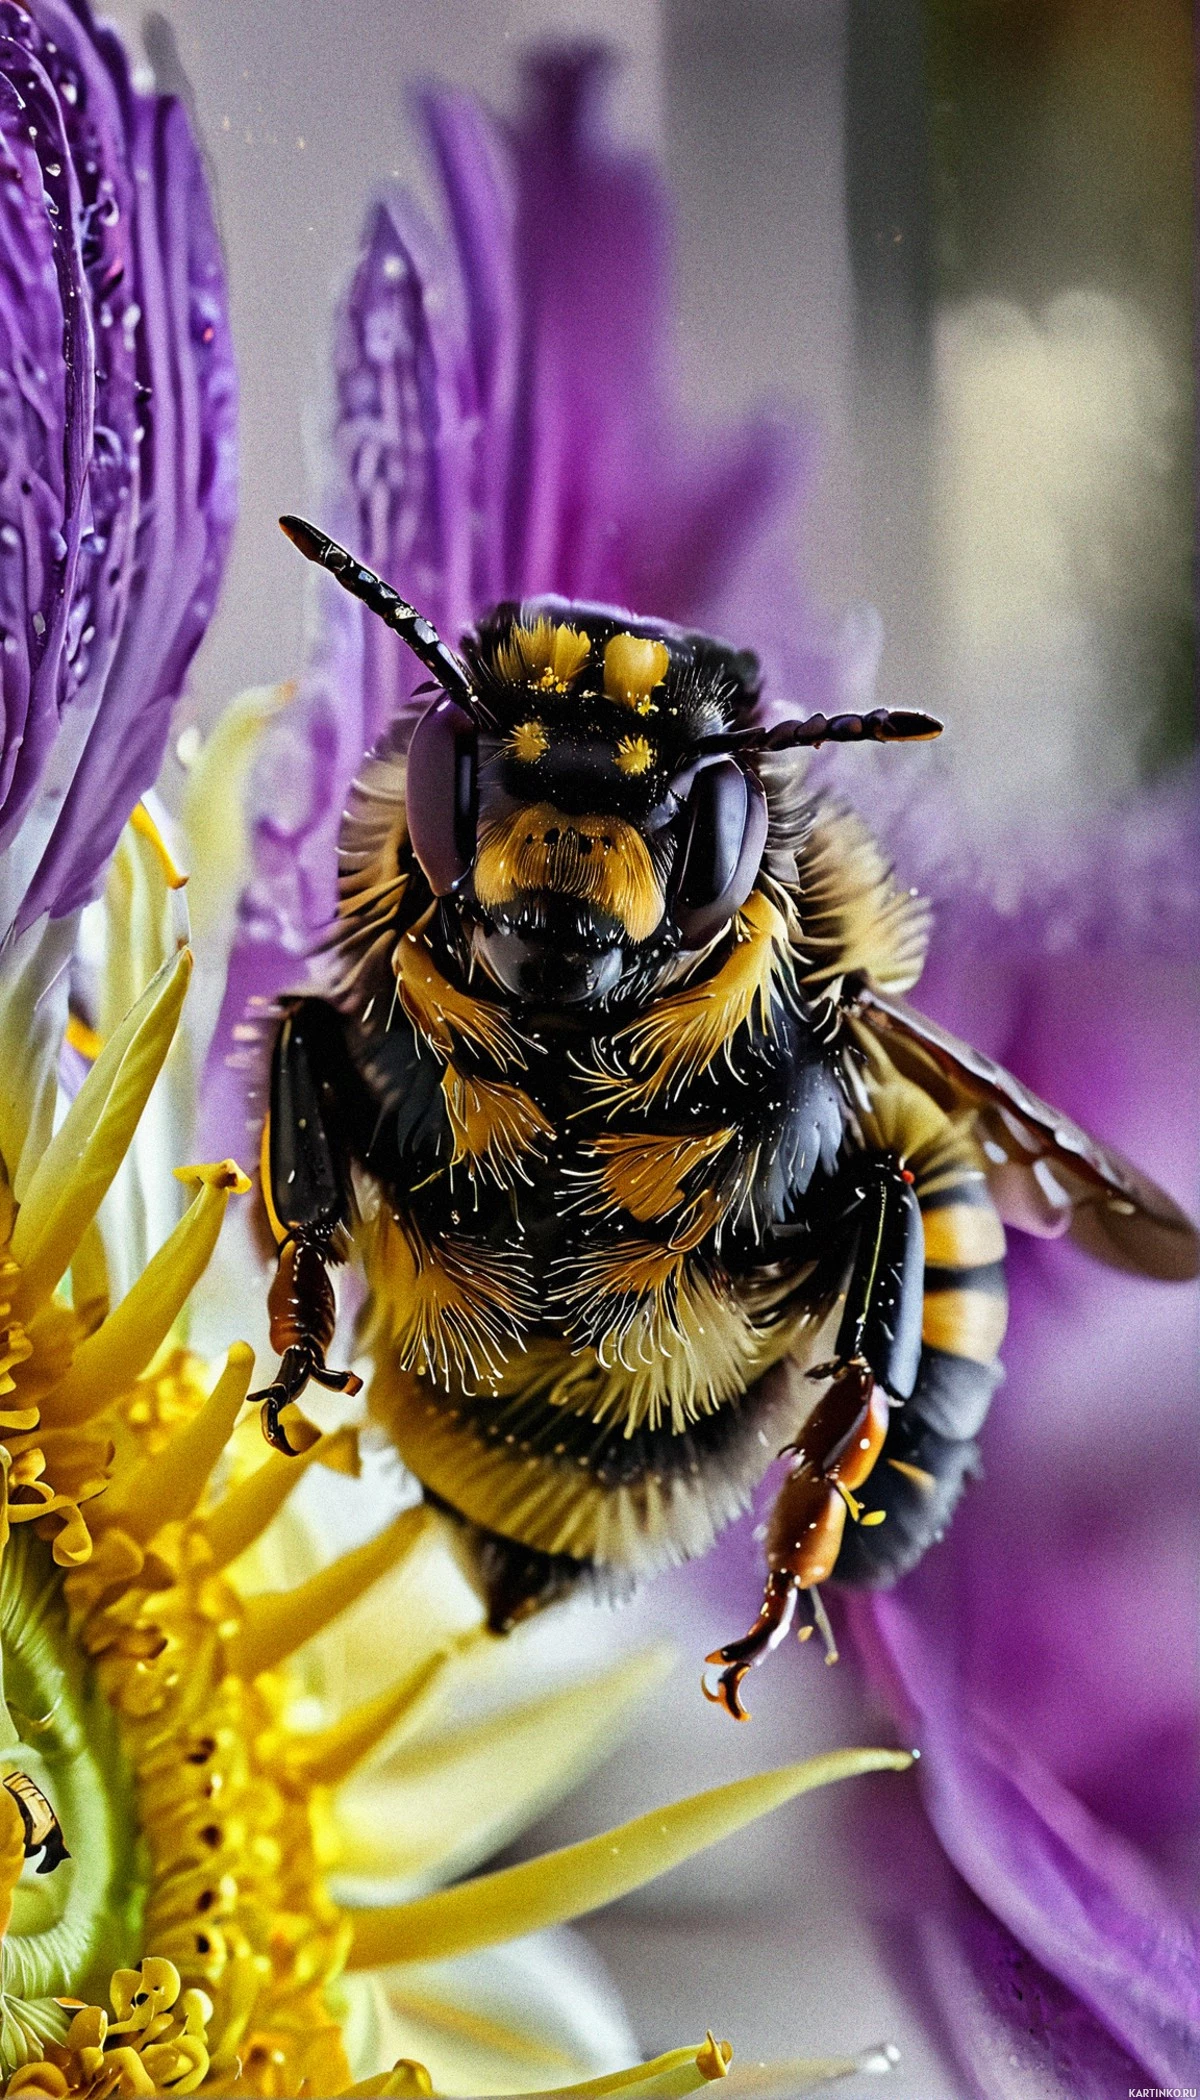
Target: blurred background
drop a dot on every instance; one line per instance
(959, 234)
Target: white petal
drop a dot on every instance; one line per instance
(537, 2013)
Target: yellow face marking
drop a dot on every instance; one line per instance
(528, 742)
(634, 755)
(546, 656)
(602, 860)
(633, 666)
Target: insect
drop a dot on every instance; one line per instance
(612, 1089)
(42, 1829)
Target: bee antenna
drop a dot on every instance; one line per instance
(414, 630)
(884, 725)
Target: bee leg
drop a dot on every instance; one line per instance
(881, 1319)
(877, 1352)
(841, 1442)
(315, 1092)
(769, 1629)
(303, 1315)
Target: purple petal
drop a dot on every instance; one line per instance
(119, 491)
(1016, 2031)
(1045, 1651)
(1073, 1893)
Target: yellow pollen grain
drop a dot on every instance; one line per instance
(635, 754)
(528, 742)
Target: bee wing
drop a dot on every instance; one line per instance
(1047, 1175)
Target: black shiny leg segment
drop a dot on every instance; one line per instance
(315, 1092)
(881, 1322)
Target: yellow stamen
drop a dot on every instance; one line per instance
(279, 1622)
(329, 1756)
(71, 1178)
(106, 1365)
(245, 1512)
(84, 1039)
(166, 1487)
(678, 2071)
(578, 1878)
(143, 823)
(407, 2080)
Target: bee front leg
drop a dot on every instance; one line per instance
(303, 1315)
(306, 1185)
(877, 1352)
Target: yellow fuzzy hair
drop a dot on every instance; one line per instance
(440, 1305)
(853, 918)
(443, 1014)
(643, 1172)
(544, 655)
(684, 1034)
(493, 1125)
(600, 859)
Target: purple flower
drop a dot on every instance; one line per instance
(117, 463)
(504, 424)
(1044, 1654)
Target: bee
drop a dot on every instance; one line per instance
(612, 1089)
(42, 1829)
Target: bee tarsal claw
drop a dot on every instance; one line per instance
(274, 1400)
(336, 1381)
(295, 1370)
(768, 1630)
(727, 1693)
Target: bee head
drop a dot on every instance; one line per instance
(584, 792)
(585, 828)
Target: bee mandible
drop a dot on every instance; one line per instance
(612, 1089)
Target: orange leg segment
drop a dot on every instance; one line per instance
(834, 1455)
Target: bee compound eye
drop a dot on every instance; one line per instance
(724, 832)
(441, 793)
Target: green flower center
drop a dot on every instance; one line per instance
(71, 1928)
